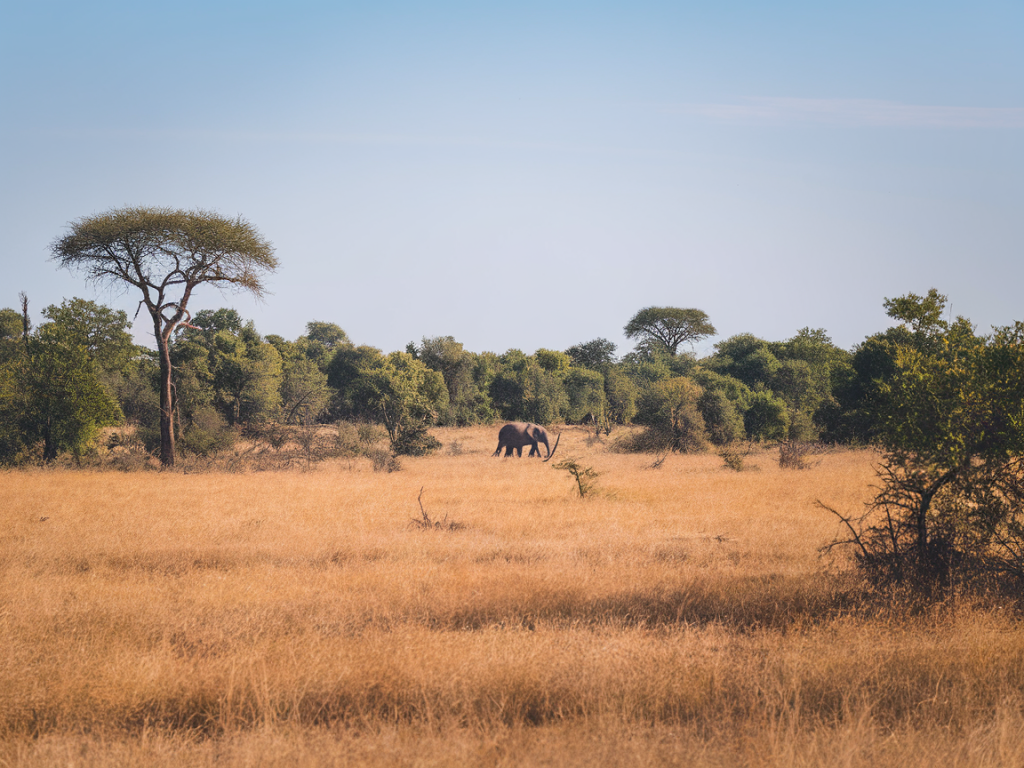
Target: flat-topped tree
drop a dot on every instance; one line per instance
(166, 254)
(668, 327)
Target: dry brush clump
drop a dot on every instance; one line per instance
(167, 618)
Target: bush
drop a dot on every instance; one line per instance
(674, 423)
(767, 417)
(723, 422)
(795, 455)
(207, 434)
(585, 477)
(415, 441)
(735, 455)
(383, 460)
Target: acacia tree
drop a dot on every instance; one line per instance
(166, 254)
(668, 327)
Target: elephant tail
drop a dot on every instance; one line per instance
(555, 448)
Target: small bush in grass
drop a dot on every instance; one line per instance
(415, 441)
(586, 477)
(795, 455)
(735, 455)
(369, 434)
(383, 460)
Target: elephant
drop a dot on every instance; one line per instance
(519, 434)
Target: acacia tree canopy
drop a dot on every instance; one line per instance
(165, 254)
(669, 327)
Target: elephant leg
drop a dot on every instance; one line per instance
(519, 452)
(508, 451)
(534, 450)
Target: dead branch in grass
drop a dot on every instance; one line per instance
(426, 523)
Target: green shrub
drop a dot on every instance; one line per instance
(207, 434)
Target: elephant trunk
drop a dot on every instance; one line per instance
(552, 451)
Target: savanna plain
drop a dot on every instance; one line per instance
(679, 615)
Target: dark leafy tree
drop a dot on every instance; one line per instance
(620, 396)
(345, 377)
(57, 398)
(722, 420)
(305, 395)
(166, 254)
(584, 390)
(747, 358)
(766, 417)
(244, 371)
(211, 321)
(11, 342)
(670, 411)
(595, 355)
(406, 397)
(104, 334)
(321, 342)
(468, 402)
(552, 361)
(522, 390)
(851, 415)
(668, 327)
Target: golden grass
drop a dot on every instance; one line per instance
(681, 616)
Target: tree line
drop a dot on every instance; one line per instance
(80, 370)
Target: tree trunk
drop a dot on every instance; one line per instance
(166, 402)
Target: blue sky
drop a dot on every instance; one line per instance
(530, 175)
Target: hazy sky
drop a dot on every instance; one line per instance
(531, 174)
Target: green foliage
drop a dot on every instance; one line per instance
(328, 334)
(646, 369)
(722, 420)
(922, 314)
(746, 358)
(669, 409)
(135, 390)
(620, 396)
(346, 377)
(585, 392)
(523, 391)
(668, 327)
(321, 342)
(241, 374)
(468, 402)
(766, 417)
(734, 389)
(206, 433)
(810, 365)
(10, 324)
(596, 355)
(552, 361)
(304, 392)
(406, 396)
(52, 394)
(415, 441)
(101, 330)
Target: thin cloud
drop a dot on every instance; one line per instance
(858, 112)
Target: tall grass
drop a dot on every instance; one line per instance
(682, 616)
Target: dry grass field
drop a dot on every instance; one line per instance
(679, 616)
